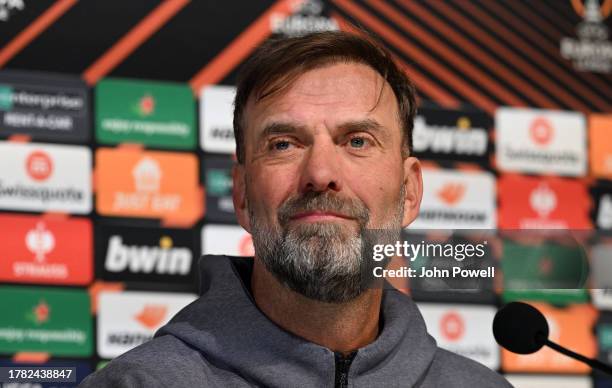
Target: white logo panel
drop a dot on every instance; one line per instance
(45, 177)
(128, 319)
(217, 119)
(463, 329)
(457, 200)
(541, 141)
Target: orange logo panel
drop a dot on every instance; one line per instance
(137, 183)
(600, 145)
(46, 251)
(570, 327)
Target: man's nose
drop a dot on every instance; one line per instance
(321, 168)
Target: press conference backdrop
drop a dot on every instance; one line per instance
(117, 143)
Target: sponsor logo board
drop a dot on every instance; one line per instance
(590, 51)
(306, 16)
(540, 141)
(217, 119)
(602, 196)
(150, 184)
(43, 106)
(218, 182)
(521, 381)
(128, 319)
(548, 271)
(146, 254)
(542, 203)
(604, 337)
(46, 251)
(157, 114)
(230, 240)
(449, 134)
(600, 146)
(457, 200)
(570, 326)
(45, 177)
(601, 275)
(463, 329)
(46, 320)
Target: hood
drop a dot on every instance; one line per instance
(230, 332)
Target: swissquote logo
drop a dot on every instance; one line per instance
(461, 139)
(39, 165)
(463, 329)
(541, 131)
(162, 259)
(307, 16)
(452, 326)
(457, 200)
(541, 141)
(128, 319)
(45, 177)
(592, 51)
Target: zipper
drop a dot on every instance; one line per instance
(343, 364)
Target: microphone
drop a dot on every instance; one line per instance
(521, 328)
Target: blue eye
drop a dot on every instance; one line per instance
(281, 145)
(357, 142)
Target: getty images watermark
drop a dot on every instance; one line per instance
(382, 253)
(446, 260)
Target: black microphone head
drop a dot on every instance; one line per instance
(520, 328)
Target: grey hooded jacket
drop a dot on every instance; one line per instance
(223, 340)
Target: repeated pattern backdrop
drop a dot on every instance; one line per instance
(116, 145)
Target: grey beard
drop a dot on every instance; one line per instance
(321, 261)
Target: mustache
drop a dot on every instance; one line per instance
(323, 202)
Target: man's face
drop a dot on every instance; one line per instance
(323, 162)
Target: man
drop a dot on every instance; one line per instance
(323, 129)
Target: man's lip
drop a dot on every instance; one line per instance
(320, 215)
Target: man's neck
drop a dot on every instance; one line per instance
(340, 327)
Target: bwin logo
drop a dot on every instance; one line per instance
(144, 259)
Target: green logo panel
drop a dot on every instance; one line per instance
(47, 320)
(551, 272)
(156, 114)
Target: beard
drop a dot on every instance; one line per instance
(324, 261)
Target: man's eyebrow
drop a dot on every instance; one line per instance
(279, 128)
(363, 125)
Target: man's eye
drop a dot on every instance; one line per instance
(358, 142)
(281, 145)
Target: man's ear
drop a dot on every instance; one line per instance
(413, 185)
(239, 196)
